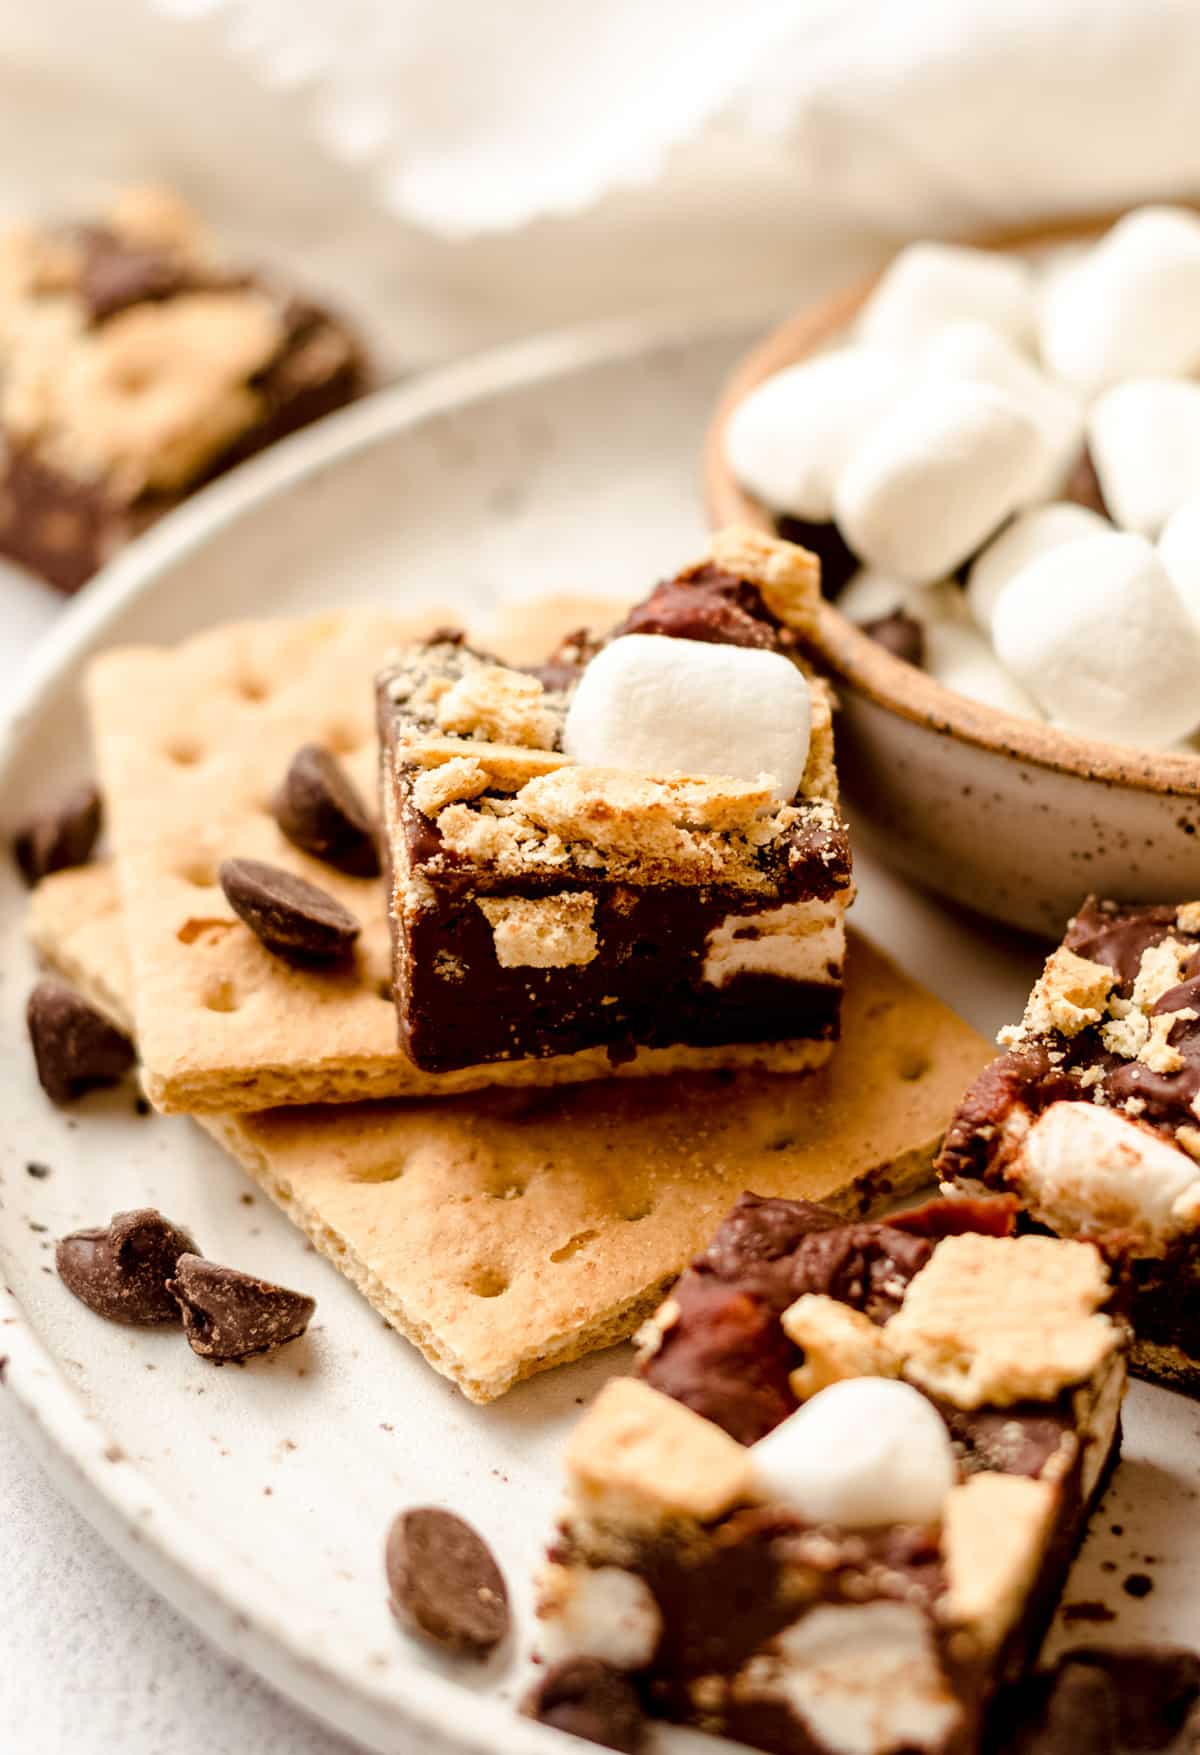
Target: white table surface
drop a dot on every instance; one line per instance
(92, 1661)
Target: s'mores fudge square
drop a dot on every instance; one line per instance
(1091, 1116)
(835, 1510)
(637, 849)
(137, 362)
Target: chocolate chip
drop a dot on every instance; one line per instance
(292, 917)
(590, 1699)
(65, 836)
(900, 634)
(73, 1046)
(1071, 1711)
(117, 274)
(1156, 1688)
(443, 1581)
(121, 1270)
(319, 810)
(230, 1315)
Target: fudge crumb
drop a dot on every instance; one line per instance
(1087, 1611)
(37, 1170)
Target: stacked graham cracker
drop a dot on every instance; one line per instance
(503, 1230)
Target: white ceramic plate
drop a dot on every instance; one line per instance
(257, 1499)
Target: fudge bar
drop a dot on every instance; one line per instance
(136, 364)
(835, 1510)
(541, 905)
(1091, 1117)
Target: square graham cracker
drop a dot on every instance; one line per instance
(510, 1231)
(191, 743)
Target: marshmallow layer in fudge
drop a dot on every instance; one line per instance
(1092, 1115)
(541, 905)
(757, 1576)
(135, 364)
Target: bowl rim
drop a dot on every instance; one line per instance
(850, 656)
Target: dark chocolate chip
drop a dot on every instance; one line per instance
(73, 1046)
(1156, 1688)
(319, 810)
(443, 1581)
(1074, 1712)
(292, 917)
(62, 837)
(900, 634)
(230, 1315)
(121, 1270)
(590, 1699)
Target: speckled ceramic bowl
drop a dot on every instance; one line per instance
(1009, 816)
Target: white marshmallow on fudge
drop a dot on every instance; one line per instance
(789, 439)
(958, 656)
(930, 284)
(864, 1452)
(1085, 1169)
(1099, 636)
(936, 476)
(970, 349)
(1130, 306)
(1179, 551)
(1144, 437)
(655, 705)
(1031, 533)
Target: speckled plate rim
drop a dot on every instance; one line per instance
(78, 1452)
(855, 659)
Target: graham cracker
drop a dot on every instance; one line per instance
(191, 742)
(514, 1230)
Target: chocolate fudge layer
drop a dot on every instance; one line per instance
(1092, 1115)
(135, 365)
(541, 906)
(807, 1596)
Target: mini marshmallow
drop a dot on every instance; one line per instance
(1131, 306)
(657, 706)
(1144, 436)
(971, 349)
(936, 476)
(1179, 552)
(1030, 534)
(1100, 637)
(929, 285)
(957, 656)
(864, 1452)
(870, 594)
(1093, 1170)
(788, 441)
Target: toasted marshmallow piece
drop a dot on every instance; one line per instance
(1179, 551)
(957, 656)
(1099, 636)
(1087, 1169)
(1030, 534)
(788, 441)
(936, 476)
(928, 285)
(864, 1452)
(1131, 306)
(974, 350)
(654, 705)
(1144, 437)
(602, 1612)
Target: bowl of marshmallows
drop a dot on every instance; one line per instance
(996, 453)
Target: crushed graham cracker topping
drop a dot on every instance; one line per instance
(838, 1342)
(998, 1320)
(788, 576)
(543, 932)
(640, 1455)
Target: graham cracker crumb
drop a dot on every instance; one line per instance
(149, 398)
(998, 1320)
(838, 1342)
(157, 216)
(788, 576)
(994, 1533)
(1189, 1139)
(1187, 917)
(460, 777)
(546, 932)
(1156, 1052)
(640, 1454)
(1071, 993)
(1161, 968)
(499, 705)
